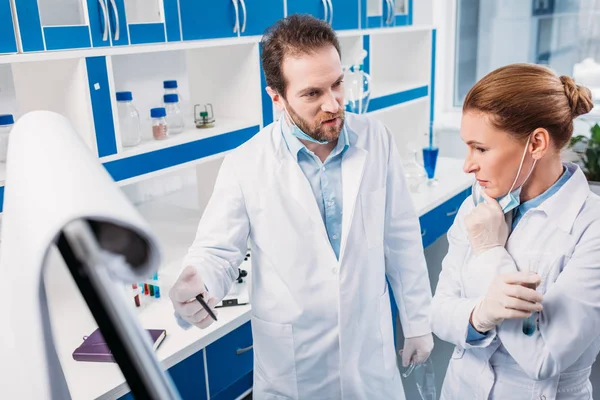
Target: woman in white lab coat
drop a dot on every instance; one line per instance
(529, 212)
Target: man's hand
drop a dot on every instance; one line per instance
(417, 349)
(183, 296)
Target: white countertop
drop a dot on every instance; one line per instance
(174, 220)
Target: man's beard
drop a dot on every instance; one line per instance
(317, 131)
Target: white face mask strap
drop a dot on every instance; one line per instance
(521, 167)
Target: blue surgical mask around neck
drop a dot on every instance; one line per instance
(512, 199)
(299, 133)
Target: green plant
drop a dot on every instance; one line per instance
(588, 149)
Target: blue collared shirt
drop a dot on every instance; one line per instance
(325, 179)
(472, 334)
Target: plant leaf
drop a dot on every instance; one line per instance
(596, 134)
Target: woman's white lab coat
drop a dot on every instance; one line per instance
(561, 236)
(322, 328)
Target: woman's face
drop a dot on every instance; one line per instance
(493, 155)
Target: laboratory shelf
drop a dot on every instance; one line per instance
(192, 146)
(394, 94)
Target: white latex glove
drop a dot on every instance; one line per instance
(183, 296)
(486, 225)
(507, 298)
(417, 349)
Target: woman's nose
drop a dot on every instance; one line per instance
(469, 166)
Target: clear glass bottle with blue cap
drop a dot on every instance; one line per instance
(174, 114)
(6, 123)
(129, 120)
(160, 129)
(171, 87)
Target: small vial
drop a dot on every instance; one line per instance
(174, 115)
(160, 130)
(6, 123)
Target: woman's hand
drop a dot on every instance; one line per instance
(507, 298)
(486, 226)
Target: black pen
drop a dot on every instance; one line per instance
(206, 307)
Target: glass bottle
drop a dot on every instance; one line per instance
(160, 129)
(129, 120)
(174, 114)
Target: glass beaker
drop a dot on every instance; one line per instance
(430, 156)
(357, 89)
(414, 172)
(129, 120)
(424, 377)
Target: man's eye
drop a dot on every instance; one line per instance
(481, 149)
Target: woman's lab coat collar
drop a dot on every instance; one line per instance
(562, 213)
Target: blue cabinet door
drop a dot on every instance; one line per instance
(7, 32)
(157, 22)
(400, 13)
(208, 19)
(229, 360)
(317, 8)
(344, 14)
(371, 12)
(189, 377)
(43, 26)
(258, 15)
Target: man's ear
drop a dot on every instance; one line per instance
(276, 97)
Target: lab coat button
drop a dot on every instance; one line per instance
(542, 397)
(334, 270)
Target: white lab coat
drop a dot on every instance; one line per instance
(563, 235)
(322, 328)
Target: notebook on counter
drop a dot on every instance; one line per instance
(94, 348)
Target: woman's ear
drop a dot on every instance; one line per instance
(539, 143)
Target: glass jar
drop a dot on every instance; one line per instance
(129, 120)
(174, 114)
(160, 129)
(6, 124)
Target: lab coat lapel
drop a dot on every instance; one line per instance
(294, 185)
(353, 165)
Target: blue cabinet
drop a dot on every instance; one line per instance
(78, 24)
(397, 12)
(257, 15)
(209, 19)
(7, 32)
(344, 14)
(153, 21)
(436, 222)
(43, 27)
(341, 14)
(316, 8)
(230, 360)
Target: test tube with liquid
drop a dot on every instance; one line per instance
(530, 323)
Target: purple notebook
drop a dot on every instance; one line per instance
(94, 348)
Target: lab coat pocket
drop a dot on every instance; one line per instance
(387, 333)
(373, 211)
(274, 354)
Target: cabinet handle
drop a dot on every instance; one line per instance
(117, 23)
(244, 350)
(387, 17)
(330, 12)
(244, 10)
(105, 13)
(451, 213)
(423, 232)
(325, 9)
(236, 27)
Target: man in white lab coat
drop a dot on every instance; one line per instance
(321, 199)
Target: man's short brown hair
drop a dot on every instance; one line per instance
(294, 35)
